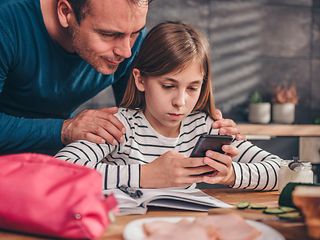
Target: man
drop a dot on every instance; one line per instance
(55, 55)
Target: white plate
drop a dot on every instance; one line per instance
(134, 230)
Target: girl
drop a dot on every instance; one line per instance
(167, 105)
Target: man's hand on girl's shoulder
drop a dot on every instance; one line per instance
(94, 125)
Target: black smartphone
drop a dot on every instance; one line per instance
(210, 142)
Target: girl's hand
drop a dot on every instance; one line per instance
(226, 126)
(172, 169)
(222, 166)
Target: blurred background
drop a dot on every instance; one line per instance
(256, 46)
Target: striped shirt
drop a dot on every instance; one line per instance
(119, 165)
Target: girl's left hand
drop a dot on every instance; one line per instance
(226, 126)
(222, 166)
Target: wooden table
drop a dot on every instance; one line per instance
(289, 230)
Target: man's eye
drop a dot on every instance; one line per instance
(134, 35)
(109, 35)
(106, 35)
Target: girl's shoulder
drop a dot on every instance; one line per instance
(127, 112)
(197, 117)
(199, 121)
(129, 117)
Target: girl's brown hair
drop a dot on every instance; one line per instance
(169, 47)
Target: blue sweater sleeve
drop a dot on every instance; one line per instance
(18, 134)
(6, 56)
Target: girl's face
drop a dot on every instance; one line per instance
(170, 98)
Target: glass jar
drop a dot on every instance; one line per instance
(302, 173)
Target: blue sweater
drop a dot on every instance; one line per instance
(40, 83)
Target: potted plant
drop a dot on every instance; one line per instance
(259, 111)
(285, 100)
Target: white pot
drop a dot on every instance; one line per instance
(259, 112)
(283, 112)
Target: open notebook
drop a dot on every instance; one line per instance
(177, 198)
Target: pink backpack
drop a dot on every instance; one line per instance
(45, 196)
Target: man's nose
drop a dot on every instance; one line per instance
(123, 48)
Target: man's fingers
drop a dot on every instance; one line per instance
(111, 110)
(105, 125)
(103, 114)
(108, 131)
(94, 138)
(107, 115)
(116, 122)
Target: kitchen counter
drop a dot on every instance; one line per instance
(288, 130)
(308, 134)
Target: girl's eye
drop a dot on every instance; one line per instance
(167, 86)
(193, 88)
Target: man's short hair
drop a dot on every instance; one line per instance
(81, 7)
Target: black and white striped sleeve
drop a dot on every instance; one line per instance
(255, 168)
(114, 172)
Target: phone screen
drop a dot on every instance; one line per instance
(210, 142)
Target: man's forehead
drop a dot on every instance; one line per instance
(118, 7)
(117, 15)
(139, 2)
(115, 3)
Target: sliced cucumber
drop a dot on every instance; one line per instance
(273, 211)
(258, 206)
(290, 216)
(243, 205)
(288, 209)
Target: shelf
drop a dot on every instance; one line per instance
(288, 130)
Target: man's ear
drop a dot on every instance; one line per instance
(65, 13)
(138, 80)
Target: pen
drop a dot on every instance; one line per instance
(132, 192)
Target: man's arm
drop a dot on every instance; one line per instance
(21, 134)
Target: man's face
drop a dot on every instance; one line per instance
(106, 34)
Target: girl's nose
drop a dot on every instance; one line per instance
(179, 100)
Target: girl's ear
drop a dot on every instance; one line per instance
(138, 80)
